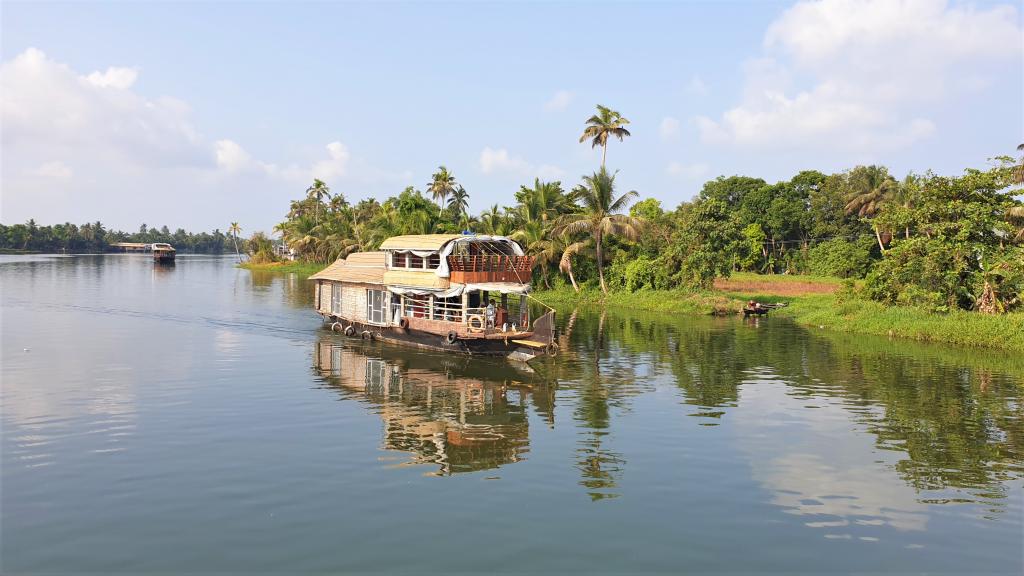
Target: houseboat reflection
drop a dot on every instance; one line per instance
(460, 416)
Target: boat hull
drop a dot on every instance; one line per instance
(502, 347)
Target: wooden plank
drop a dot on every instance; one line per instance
(531, 343)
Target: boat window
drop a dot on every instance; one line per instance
(434, 262)
(336, 298)
(415, 261)
(398, 259)
(375, 306)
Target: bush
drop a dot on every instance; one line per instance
(840, 257)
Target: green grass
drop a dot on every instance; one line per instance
(300, 268)
(685, 301)
(829, 311)
(865, 317)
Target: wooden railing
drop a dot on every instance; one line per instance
(488, 268)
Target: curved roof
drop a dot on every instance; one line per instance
(418, 241)
(362, 267)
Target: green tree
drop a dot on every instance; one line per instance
(317, 192)
(871, 188)
(441, 185)
(600, 126)
(234, 230)
(706, 243)
(600, 215)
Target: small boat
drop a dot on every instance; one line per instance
(463, 293)
(163, 253)
(753, 308)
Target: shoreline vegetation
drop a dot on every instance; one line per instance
(813, 301)
(833, 312)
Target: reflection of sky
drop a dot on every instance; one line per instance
(803, 451)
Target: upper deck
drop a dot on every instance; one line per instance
(459, 258)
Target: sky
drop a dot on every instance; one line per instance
(198, 114)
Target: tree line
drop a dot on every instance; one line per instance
(94, 237)
(927, 240)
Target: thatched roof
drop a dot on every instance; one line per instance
(418, 241)
(362, 267)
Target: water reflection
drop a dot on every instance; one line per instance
(439, 410)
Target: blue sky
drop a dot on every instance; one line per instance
(197, 114)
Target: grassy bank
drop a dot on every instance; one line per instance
(813, 302)
(300, 268)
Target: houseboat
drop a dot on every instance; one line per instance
(163, 253)
(450, 292)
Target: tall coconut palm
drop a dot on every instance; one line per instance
(600, 126)
(600, 216)
(459, 202)
(318, 191)
(442, 184)
(872, 187)
(234, 230)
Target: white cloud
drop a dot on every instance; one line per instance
(687, 171)
(129, 151)
(876, 68)
(120, 78)
(697, 86)
(336, 164)
(498, 160)
(54, 169)
(231, 156)
(669, 128)
(560, 101)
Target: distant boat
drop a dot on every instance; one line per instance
(448, 292)
(163, 253)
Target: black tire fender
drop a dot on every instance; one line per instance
(451, 337)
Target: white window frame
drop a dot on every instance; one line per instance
(376, 315)
(336, 296)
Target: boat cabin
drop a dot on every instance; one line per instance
(433, 284)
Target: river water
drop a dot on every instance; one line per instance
(198, 418)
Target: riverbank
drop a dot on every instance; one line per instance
(815, 302)
(300, 268)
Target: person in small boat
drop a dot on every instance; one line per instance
(491, 313)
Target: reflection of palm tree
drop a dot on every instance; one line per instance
(600, 126)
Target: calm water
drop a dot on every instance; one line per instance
(198, 419)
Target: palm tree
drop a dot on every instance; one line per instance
(459, 202)
(872, 188)
(584, 247)
(318, 191)
(600, 126)
(1018, 170)
(600, 216)
(234, 230)
(442, 184)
